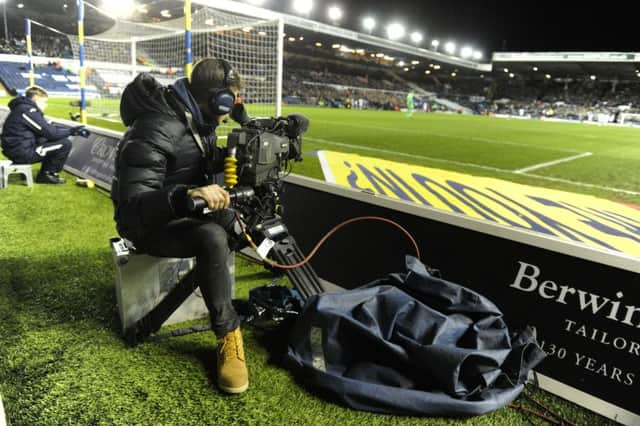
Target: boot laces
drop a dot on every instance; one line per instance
(230, 347)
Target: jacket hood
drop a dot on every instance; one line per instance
(182, 92)
(21, 100)
(181, 89)
(143, 95)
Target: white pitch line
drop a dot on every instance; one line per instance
(3, 418)
(100, 117)
(404, 154)
(477, 166)
(553, 163)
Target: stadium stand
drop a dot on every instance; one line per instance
(317, 77)
(332, 78)
(56, 80)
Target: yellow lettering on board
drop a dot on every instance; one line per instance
(573, 217)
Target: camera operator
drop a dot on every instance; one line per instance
(168, 154)
(28, 138)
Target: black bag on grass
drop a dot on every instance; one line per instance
(412, 344)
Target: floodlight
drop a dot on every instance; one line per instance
(506, 69)
(593, 77)
(535, 68)
(450, 47)
(119, 8)
(466, 52)
(303, 7)
(335, 13)
(416, 37)
(20, 5)
(547, 76)
(427, 72)
(453, 74)
(318, 44)
(435, 43)
(511, 75)
(477, 55)
(395, 31)
(369, 23)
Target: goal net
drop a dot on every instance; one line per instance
(114, 57)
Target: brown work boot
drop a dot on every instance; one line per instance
(233, 376)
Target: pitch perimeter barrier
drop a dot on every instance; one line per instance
(583, 301)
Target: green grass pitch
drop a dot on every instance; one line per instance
(63, 362)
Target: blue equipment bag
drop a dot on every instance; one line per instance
(412, 344)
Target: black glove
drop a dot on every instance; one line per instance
(81, 131)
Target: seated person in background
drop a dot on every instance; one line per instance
(28, 138)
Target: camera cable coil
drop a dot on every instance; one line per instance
(324, 239)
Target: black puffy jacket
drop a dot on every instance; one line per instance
(158, 158)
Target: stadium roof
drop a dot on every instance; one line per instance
(602, 65)
(59, 16)
(492, 26)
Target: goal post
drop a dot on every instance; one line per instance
(250, 42)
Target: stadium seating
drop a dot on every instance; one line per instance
(324, 77)
(58, 82)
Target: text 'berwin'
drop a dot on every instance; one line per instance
(527, 280)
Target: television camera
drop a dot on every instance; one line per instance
(259, 156)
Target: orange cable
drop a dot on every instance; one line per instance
(327, 235)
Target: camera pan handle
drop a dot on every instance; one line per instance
(196, 204)
(236, 195)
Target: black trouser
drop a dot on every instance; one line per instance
(53, 155)
(207, 241)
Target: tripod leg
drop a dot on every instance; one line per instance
(304, 278)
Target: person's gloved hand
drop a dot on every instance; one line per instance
(80, 131)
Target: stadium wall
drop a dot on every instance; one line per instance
(561, 120)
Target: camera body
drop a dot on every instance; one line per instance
(264, 146)
(259, 152)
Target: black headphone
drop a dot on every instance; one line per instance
(222, 100)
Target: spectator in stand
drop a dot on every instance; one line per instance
(28, 138)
